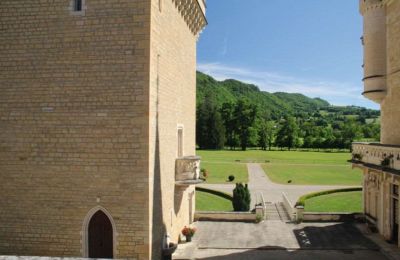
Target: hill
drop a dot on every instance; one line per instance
(275, 105)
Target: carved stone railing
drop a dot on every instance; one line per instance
(194, 14)
(386, 157)
(187, 171)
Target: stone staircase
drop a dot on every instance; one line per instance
(276, 211)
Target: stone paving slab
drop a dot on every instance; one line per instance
(278, 239)
(238, 235)
(277, 234)
(230, 254)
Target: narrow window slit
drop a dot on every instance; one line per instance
(78, 5)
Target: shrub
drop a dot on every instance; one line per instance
(204, 173)
(231, 177)
(241, 198)
(259, 218)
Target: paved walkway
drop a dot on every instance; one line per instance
(277, 240)
(259, 183)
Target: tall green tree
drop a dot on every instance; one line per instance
(287, 135)
(266, 134)
(245, 115)
(231, 132)
(351, 132)
(210, 127)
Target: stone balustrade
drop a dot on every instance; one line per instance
(375, 154)
(187, 171)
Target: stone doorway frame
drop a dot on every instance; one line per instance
(85, 230)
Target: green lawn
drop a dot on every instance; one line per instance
(313, 174)
(314, 168)
(299, 157)
(335, 202)
(219, 172)
(209, 202)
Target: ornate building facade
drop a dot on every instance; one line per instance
(97, 125)
(381, 161)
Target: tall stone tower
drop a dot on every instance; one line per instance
(381, 161)
(97, 120)
(382, 63)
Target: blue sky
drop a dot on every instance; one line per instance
(310, 47)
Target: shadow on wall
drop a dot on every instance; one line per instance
(159, 228)
(178, 196)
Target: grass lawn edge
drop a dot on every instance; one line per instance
(302, 200)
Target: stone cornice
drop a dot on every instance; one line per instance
(388, 2)
(366, 5)
(193, 12)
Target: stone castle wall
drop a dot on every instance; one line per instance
(74, 124)
(390, 120)
(173, 85)
(378, 185)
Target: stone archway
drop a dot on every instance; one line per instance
(99, 234)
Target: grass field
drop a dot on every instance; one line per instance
(313, 174)
(299, 157)
(313, 168)
(209, 202)
(219, 172)
(335, 202)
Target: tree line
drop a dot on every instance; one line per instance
(241, 124)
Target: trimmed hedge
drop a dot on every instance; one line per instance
(215, 192)
(302, 199)
(241, 197)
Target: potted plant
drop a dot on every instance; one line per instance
(385, 163)
(204, 174)
(188, 232)
(357, 156)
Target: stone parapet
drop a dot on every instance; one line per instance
(187, 171)
(375, 154)
(193, 12)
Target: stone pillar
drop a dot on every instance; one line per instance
(260, 211)
(299, 213)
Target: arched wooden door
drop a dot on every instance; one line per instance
(100, 236)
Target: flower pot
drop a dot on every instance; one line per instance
(188, 238)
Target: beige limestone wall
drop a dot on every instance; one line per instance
(74, 124)
(173, 86)
(390, 108)
(377, 191)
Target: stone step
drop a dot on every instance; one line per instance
(276, 211)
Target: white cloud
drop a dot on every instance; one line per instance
(338, 93)
(224, 50)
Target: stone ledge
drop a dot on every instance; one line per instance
(332, 216)
(224, 216)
